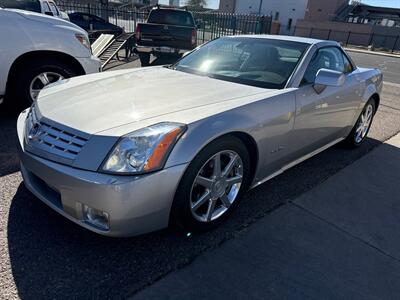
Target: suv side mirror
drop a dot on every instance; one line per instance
(49, 13)
(326, 77)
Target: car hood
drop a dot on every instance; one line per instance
(102, 101)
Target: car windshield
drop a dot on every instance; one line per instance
(32, 5)
(260, 62)
(171, 17)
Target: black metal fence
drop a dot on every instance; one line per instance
(210, 24)
(356, 39)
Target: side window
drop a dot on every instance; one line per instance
(326, 58)
(348, 68)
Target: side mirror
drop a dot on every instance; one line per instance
(326, 77)
(49, 13)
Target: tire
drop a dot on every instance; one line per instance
(189, 191)
(23, 77)
(144, 59)
(356, 138)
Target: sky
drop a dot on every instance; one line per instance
(389, 3)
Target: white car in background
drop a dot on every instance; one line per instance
(37, 50)
(47, 7)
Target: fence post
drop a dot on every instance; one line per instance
(395, 43)
(234, 25)
(348, 38)
(311, 30)
(88, 7)
(371, 38)
(329, 34)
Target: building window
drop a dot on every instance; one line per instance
(276, 16)
(289, 24)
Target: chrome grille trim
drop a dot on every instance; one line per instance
(53, 138)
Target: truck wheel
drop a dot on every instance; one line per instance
(28, 80)
(144, 59)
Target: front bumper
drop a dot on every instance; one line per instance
(90, 64)
(135, 204)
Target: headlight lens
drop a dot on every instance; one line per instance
(144, 150)
(83, 39)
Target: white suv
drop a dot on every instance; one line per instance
(47, 7)
(36, 50)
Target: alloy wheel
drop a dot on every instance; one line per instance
(216, 186)
(363, 124)
(42, 80)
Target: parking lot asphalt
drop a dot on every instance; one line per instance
(329, 243)
(43, 255)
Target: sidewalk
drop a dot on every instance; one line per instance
(338, 240)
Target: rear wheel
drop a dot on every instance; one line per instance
(362, 126)
(212, 185)
(144, 59)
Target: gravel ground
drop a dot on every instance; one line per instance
(43, 255)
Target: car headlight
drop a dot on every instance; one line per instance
(84, 40)
(144, 150)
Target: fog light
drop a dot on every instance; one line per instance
(96, 217)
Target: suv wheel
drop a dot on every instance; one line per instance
(29, 79)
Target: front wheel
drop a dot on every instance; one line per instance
(362, 126)
(29, 79)
(212, 185)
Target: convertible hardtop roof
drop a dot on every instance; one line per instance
(288, 38)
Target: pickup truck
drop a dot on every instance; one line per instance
(167, 32)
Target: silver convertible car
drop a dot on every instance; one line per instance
(132, 151)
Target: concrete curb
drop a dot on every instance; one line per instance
(372, 52)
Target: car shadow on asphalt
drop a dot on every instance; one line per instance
(9, 162)
(52, 257)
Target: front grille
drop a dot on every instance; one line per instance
(52, 138)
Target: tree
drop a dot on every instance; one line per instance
(196, 3)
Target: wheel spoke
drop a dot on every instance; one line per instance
(210, 210)
(230, 165)
(358, 136)
(233, 180)
(217, 165)
(225, 201)
(44, 79)
(206, 182)
(203, 199)
(35, 94)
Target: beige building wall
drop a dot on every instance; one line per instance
(227, 6)
(323, 10)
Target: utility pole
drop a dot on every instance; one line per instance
(259, 8)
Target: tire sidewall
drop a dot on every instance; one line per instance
(181, 214)
(353, 132)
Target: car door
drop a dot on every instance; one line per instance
(46, 8)
(322, 118)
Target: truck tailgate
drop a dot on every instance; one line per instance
(159, 35)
